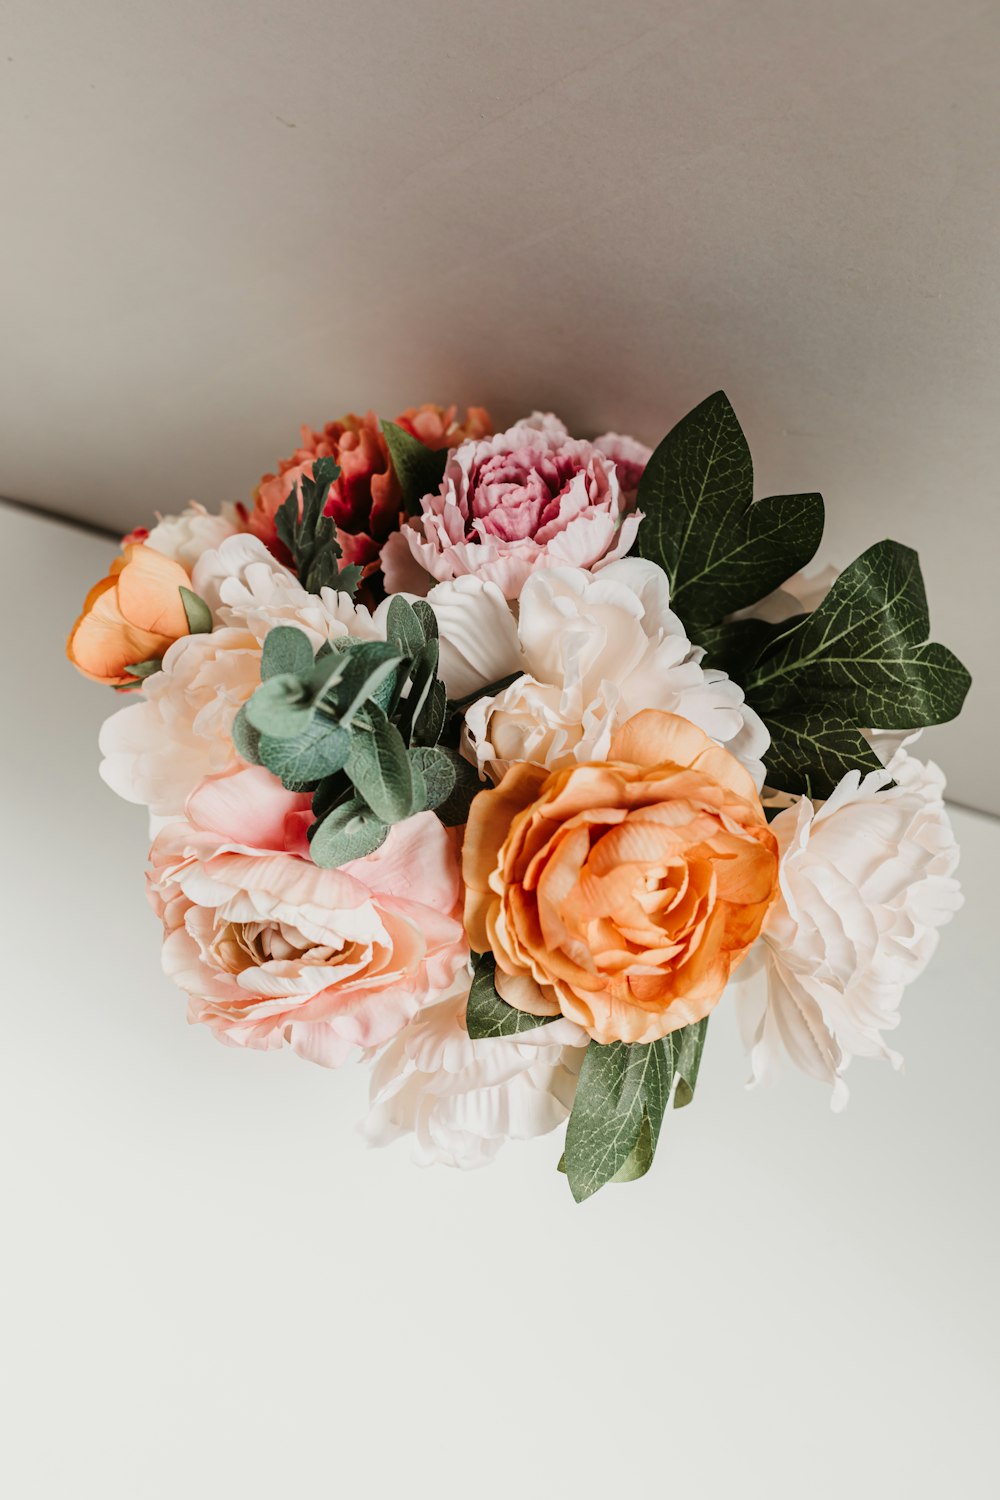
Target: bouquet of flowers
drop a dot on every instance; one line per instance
(499, 759)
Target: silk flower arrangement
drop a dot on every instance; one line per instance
(499, 759)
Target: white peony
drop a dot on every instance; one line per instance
(593, 649)
(462, 1099)
(158, 749)
(866, 880)
(185, 537)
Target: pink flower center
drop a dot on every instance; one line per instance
(514, 495)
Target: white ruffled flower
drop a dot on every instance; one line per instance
(179, 730)
(593, 649)
(866, 880)
(185, 537)
(462, 1099)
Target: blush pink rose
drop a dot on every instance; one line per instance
(272, 949)
(526, 498)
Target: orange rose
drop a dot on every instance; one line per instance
(130, 616)
(621, 894)
(365, 500)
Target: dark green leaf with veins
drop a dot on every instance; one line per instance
(419, 469)
(721, 550)
(620, 1087)
(487, 1015)
(349, 832)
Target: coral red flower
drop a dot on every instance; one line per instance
(365, 500)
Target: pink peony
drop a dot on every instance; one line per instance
(272, 949)
(529, 497)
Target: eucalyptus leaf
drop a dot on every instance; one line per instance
(286, 650)
(619, 1087)
(317, 752)
(423, 677)
(486, 1015)
(280, 707)
(454, 811)
(427, 618)
(719, 548)
(419, 469)
(380, 767)
(364, 669)
(402, 627)
(197, 612)
(310, 536)
(437, 773)
(245, 737)
(349, 832)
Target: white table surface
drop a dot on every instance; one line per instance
(212, 1288)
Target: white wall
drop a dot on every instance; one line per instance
(225, 218)
(211, 1288)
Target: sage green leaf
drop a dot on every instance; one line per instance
(619, 1086)
(430, 722)
(688, 1045)
(427, 618)
(310, 536)
(423, 678)
(199, 616)
(281, 707)
(349, 832)
(333, 791)
(246, 738)
(454, 811)
(286, 650)
(317, 752)
(402, 627)
(720, 550)
(142, 669)
(365, 668)
(486, 1015)
(419, 469)
(863, 655)
(380, 767)
(437, 773)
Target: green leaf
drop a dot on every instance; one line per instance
(688, 1044)
(427, 618)
(281, 707)
(311, 537)
(454, 811)
(317, 752)
(363, 669)
(619, 1087)
(865, 649)
(402, 626)
(641, 1157)
(812, 750)
(721, 551)
(437, 772)
(419, 469)
(486, 1014)
(199, 616)
(246, 738)
(142, 669)
(423, 677)
(380, 767)
(349, 832)
(286, 650)
(735, 645)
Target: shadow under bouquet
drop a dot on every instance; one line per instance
(498, 760)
